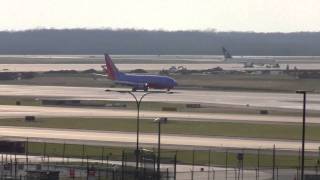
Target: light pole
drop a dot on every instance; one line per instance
(138, 103)
(159, 121)
(304, 93)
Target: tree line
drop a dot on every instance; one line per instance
(131, 41)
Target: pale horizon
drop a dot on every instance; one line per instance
(136, 29)
(168, 15)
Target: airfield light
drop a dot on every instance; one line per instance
(304, 93)
(159, 121)
(138, 103)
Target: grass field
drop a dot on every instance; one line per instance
(199, 157)
(270, 131)
(25, 101)
(246, 82)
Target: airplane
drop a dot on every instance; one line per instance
(249, 62)
(137, 82)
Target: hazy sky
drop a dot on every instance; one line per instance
(222, 15)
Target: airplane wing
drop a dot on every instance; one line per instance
(128, 83)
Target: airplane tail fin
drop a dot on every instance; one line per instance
(226, 53)
(110, 68)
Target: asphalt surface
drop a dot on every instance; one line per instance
(147, 67)
(275, 100)
(252, 99)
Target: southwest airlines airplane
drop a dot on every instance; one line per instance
(137, 82)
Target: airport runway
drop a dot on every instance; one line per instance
(109, 137)
(253, 99)
(147, 67)
(40, 63)
(122, 67)
(8, 111)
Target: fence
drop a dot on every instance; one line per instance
(119, 163)
(95, 171)
(248, 174)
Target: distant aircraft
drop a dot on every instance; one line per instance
(137, 82)
(249, 62)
